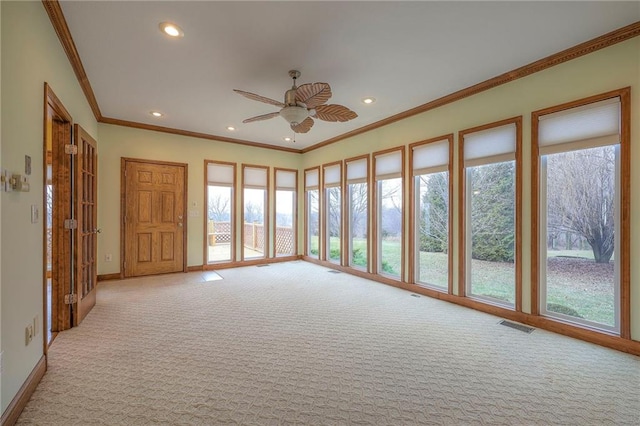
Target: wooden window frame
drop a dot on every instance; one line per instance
(462, 211)
(347, 222)
(374, 215)
(412, 215)
(275, 211)
(233, 215)
(266, 213)
(625, 210)
(306, 213)
(324, 213)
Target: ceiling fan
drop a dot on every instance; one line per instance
(302, 103)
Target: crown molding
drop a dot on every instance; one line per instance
(174, 131)
(59, 24)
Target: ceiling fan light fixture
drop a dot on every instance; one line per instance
(171, 29)
(294, 114)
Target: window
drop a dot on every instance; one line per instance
(312, 201)
(358, 212)
(332, 180)
(389, 213)
(430, 162)
(491, 210)
(579, 214)
(254, 212)
(220, 206)
(286, 224)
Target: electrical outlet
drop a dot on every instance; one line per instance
(36, 325)
(28, 334)
(108, 257)
(1, 364)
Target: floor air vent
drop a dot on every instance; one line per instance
(415, 295)
(517, 326)
(333, 271)
(261, 266)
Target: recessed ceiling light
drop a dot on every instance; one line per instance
(156, 114)
(287, 139)
(171, 29)
(368, 100)
(230, 128)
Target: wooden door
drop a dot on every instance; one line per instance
(87, 229)
(154, 201)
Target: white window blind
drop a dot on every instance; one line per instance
(285, 179)
(490, 146)
(311, 180)
(357, 171)
(586, 126)
(431, 158)
(255, 177)
(220, 173)
(389, 165)
(332, 175)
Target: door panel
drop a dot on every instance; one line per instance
(154, 231)
(87, 230)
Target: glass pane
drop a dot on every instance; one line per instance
(313, 223)
(390, 227)
(333, 224)
(219, 247)
(581, 200)
(432, 240)
(285, 226)
(492, 230)
(253, 227)
(358, 216)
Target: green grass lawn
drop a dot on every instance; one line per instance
(575, 284)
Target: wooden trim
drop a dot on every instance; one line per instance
(625, 203)
(188, 133)
(412, 210)
(295, 210)
(517, 201)
(109, 277)
(266, 211)
(61, 28)
(232, 225)
(324, 214)
(593, 45)
(374, 222)
(570, 330)
(196, 268)
(19, 401)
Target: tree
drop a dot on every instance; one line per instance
(218, 208)
(581, 197)
(434, 213)
(493, 211)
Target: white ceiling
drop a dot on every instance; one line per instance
(402, 53)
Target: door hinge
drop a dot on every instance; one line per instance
(70, 299)
(71, 149)
(70, 223)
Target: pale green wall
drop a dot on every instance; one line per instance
(116, 142)
(608, 69)
(31, 55)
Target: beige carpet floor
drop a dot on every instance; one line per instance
(292, 343)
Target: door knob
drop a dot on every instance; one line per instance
(180, 217)
(179, 223)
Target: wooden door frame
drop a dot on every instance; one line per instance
(123, 204)
(61, 317)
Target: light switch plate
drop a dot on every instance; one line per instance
(194, 213)
(35, 214)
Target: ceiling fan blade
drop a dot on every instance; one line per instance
(259, 98)
(313, 94)
(261, 117)
(334, 113)
(303, 127)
